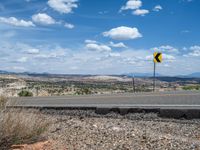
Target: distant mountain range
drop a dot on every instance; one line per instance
(141, 74)
(193, 75)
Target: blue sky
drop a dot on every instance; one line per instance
(99, 36)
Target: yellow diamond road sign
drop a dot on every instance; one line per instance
(157, 57)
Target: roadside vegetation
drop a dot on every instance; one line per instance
(192, 87)
(19, 126)
(25, 94)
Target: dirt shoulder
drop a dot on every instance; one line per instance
(85, 130)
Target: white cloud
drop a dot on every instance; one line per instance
(193, 48)
(166, 58)
(44, 19)
(55, 59)
(69, 26)
(118, 45)
(98, 47)
(114, 55)
(185, 31)
(132, 4)
(123, 33)
(195, 51)
(90, 41)
(22, 60)
(157, 8)
(166, 48)
(15, 22)
(32, 51)
(140, 12)
(63, 6)
(135, 5)
(52, 55)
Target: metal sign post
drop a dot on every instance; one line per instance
(157, 58)
(133, 83)
(154, 77)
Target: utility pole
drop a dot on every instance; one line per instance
(37, 88)
(133, 83)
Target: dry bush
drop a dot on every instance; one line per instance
(3, 102)
(19, 126)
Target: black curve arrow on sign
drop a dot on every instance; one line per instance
(157, 57)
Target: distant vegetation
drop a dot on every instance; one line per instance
(83, 91)
(57, 85)
(192, 87)
(25, 94)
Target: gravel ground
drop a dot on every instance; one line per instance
(85, 130)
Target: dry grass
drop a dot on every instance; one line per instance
(3, 102)
(19, 126)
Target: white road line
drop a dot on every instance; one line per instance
(111, 105)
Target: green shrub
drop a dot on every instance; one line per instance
(195, 87)
(25, 94)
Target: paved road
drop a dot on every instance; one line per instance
(170, 100)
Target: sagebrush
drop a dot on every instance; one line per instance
(19, 126)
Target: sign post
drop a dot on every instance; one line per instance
(157, 58)
(133, 83)
(154, 76)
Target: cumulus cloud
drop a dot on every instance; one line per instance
(195, 51)
(118, 45)
(16, 22)
(157, 8)
(63, 6)
(135, 6)
(56, 59)
(69, 26)
(98, 47)
(193, 48)
(123, 33)
(44, 19)
(166, 48)
(132, 4)
(166, 58)
(140, 12)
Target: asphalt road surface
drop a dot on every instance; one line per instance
(170, 100)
